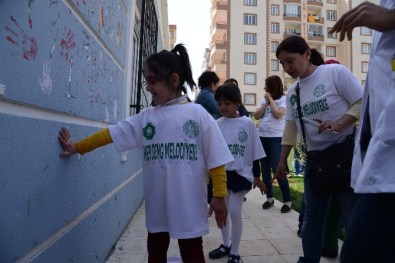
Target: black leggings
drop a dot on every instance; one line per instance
(158, 243)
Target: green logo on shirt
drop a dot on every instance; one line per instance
(149, 131)
(319, 91)
(191, 129)
(243, 136)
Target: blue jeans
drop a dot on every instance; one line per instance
(314, 220)
(370, 237)
(272, 147)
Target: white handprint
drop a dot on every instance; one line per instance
(46, 81)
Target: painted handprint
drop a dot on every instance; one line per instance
(67, 44)
(46, 81)
(18, 37)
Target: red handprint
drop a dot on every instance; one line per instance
(67, 43)
(19, 37)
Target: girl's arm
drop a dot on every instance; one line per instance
(278, 112)
(259, 112)
(88, 144)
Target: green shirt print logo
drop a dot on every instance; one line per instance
(243, 136)
(191, 129)
(319, 91)
(149, 131)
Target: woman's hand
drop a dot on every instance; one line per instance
(258, 183)
(66, 143)
(281, 172)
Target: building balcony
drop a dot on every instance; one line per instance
(315, 19)
(292, 18)
(291, 32)
(315, 36)
(292, 1)
(218, 28)
(315, 3)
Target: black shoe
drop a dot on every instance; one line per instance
(267, 204)
(219, 252)
(285, 209)
(329, 253)
(299, 233)
(234, 259)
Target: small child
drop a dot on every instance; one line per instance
(243, 141)
(181, 143)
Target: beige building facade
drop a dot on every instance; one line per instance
(246, 33)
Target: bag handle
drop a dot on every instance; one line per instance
(300, 115)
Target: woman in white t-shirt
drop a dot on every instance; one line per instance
(270, 129)
(180, 143)
(331, 96)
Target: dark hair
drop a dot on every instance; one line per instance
(274, 85)
(207, 78)
(231, 80)
(176, 61)
(297, 44)
(228, 91)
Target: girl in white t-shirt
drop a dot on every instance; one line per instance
(329, 95)
(242, 173)
(180, 143)
(270, 129)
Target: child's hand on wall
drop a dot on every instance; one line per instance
(67, 143)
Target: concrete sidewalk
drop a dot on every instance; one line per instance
(268, 237)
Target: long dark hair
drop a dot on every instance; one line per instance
(176, 61)
(274, 85)
(297, 44)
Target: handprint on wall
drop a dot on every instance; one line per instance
(19, 37)
(46, 81)
(67, 44)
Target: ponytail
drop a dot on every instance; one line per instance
(316, 58)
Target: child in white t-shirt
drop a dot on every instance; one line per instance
(176, 158)
(243, 141)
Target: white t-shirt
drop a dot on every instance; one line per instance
(179, 144)
(376, 173)
(269, 125)
(243, 141)
(326, 94)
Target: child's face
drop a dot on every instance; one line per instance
(158, 87)
(228, 108)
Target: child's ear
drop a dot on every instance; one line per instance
(174, 80)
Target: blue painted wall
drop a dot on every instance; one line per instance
(65, 210)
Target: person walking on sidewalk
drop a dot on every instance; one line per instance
(243, 141)
(370, 237)
(270, 129)
(174, 180)
(331, 95)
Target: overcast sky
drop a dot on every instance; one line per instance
(192, 18)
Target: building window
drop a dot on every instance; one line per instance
(292, 10)
(274, 65)
(365, 48)
(249, 19)
(330, 51)
(333, 35)
(250, 38)
(331, 1)
(331, 15)
(250, 78)
(365, 31)
(250, 2)
(275, 10)
(275, 28)
(274, 46)
(250, 99)
(363, 82)
(364, 66)
(250, 58)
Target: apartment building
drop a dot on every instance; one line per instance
(172, 35)
(245, 35)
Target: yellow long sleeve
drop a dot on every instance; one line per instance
(218, 176)
(93, 141)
